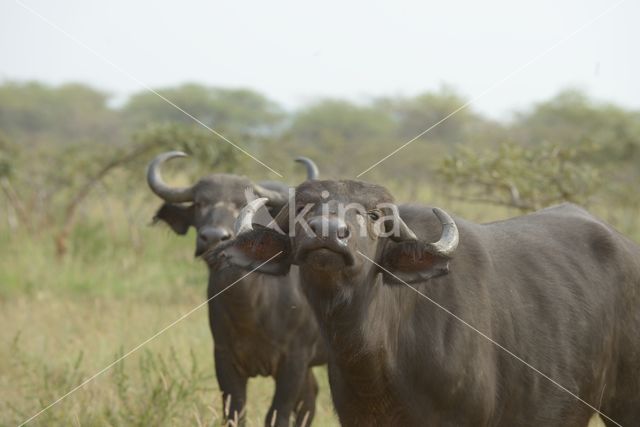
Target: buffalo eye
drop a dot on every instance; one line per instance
(374, 215)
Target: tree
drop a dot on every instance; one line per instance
(450, 126)
(50, 184)
(344, 135)
(240, 113)
(522, 177)
(33, 113)
(571, 118)
(414, 115)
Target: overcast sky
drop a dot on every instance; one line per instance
(297, 51)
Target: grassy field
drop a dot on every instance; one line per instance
(63, 320)
(66, 319)
(57, 343)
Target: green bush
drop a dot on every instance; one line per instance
(523, 177)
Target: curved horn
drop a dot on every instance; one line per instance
(157, 184)
(244, 222)
(312, 169)
(275, 198)
(449, 238)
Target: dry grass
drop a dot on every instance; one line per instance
(64, 320)
(50, 344)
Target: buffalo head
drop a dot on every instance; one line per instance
(335, 228)
(212, 204)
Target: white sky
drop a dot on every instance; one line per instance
(296, 51)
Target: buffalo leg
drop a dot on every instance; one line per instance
(306, 406)
(290, 379)
(234, 390)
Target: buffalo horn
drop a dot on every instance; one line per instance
(312, 169)
(449, 238)
(157, 184)
(244, 222)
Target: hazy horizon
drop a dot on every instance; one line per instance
(295, 53)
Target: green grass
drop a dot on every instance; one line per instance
(65, 319)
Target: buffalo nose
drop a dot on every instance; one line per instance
(212, 235)
(330, 228)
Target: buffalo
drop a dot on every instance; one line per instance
(430, 319)
(261, 325)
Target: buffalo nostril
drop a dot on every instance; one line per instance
(210, 236)
(342, 232)
(329, 228)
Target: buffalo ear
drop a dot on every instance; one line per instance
(179, 218)
(411, 262)
(262, 249)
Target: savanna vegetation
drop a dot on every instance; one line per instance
(84, 277)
